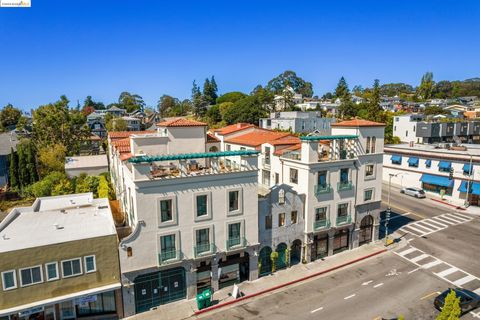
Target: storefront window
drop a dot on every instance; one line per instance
(96, 304)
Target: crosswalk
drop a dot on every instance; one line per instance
(441, 269)
(427, 226)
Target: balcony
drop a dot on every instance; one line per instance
(169, 256)
(204, 249)
(322, 189)
(321, 224)
(344, 185)
(341, 220)
(235, 243)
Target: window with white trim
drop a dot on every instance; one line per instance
(51, 270)
(71, 268)
(9, 280)
(32, 275)
(90, 264)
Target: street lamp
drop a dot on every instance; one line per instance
(470, 171)
(389, 209)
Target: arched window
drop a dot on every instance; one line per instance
(368, 145)
(374, 140)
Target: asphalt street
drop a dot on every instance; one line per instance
(441, 252)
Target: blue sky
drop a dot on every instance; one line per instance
(101, 48)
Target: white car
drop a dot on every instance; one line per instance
(414, 192)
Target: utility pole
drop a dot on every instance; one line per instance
(387, 214)
(470, 171)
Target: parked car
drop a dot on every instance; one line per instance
(468, 300)
(414, 192)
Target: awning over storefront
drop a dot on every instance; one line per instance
(396, 158)
(413, 161)
(467, 168)
(474, 187)
(437, 180)
(428, 162)
(446, 165)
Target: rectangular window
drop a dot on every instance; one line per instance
(369, 170)
(166, 210)
(321, 214)
(293, 175)
(52, 271)
(233, 200)
(277, 178)
(203, 239)
(71, 268)
(9, 280)
(167, 244)
(243, 148)
(342, 209)
(367, 195)
(228, 147)
(322, 179)
(90, 264)
(268, 222)
(344, 175)
(293, 217)
(281, 219)
(29, 276)
(202, 202)
(234, 233)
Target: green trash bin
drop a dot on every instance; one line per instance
(200, 301)
(207, 296)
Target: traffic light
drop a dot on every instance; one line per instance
(450, 175)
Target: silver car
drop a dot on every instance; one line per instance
(414, 192)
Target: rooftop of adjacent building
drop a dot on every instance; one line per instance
(80, 162)
(258, 137)
(460, 153)
(234, 128)
(57, 219)
(358, 123)
(298, 115)
(181, 122)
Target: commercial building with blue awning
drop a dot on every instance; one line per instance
(444, 165)
(396, 159)
(474, 187)
(467, 169)
(436, 184)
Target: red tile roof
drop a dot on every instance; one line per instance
(125, 134)
(212, 138)
(290, 148)
(358, 123)
(257, 137)
(181, 122)
(285, 140)
(122, 145)
(234, 128)
(125, 156)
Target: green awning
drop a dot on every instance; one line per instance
(200, 155)
(337, 137)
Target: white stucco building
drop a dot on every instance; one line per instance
(193, 210)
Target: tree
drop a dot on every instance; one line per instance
(210, 91)
(51, 159)
(27, 165)
(90, 103)
(451, 308)
(374, 110)
(64, 186)
(434, 110)
(213, 114)
(327, 96)
(166, 105)
(13, 170)
(290, 79)
(45, 187)
(116, 124)
(130, 102)
(55, 123)
(86, 183)
(9, 116)
(199, 104)
(248, 110)
(102, 187)
(233, 96)
(426, 86)
(22, 123)
(88, 110)
(346, 109)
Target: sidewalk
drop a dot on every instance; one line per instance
(187, 308)
(457, 205)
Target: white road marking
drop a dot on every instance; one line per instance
(414, 228)
(420, 257)
(428, 223)
(378, 285)
(318, 309)
(445, 273)
(456, 218)
(412, 271)
(461, 215)
(404, 253)
(425, 227)
(440, 218)
(431, 264)
(350, 296)
(475, 315)
(367, 283)
(477, 291)
(462, 281)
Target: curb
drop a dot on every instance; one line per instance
(220, 305)
(448, 204)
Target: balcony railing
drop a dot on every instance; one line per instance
(204, 249)
(344, 185)
(234, 243)
(169, 256)
(321, 224)
(321, 189)
(341, 220)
